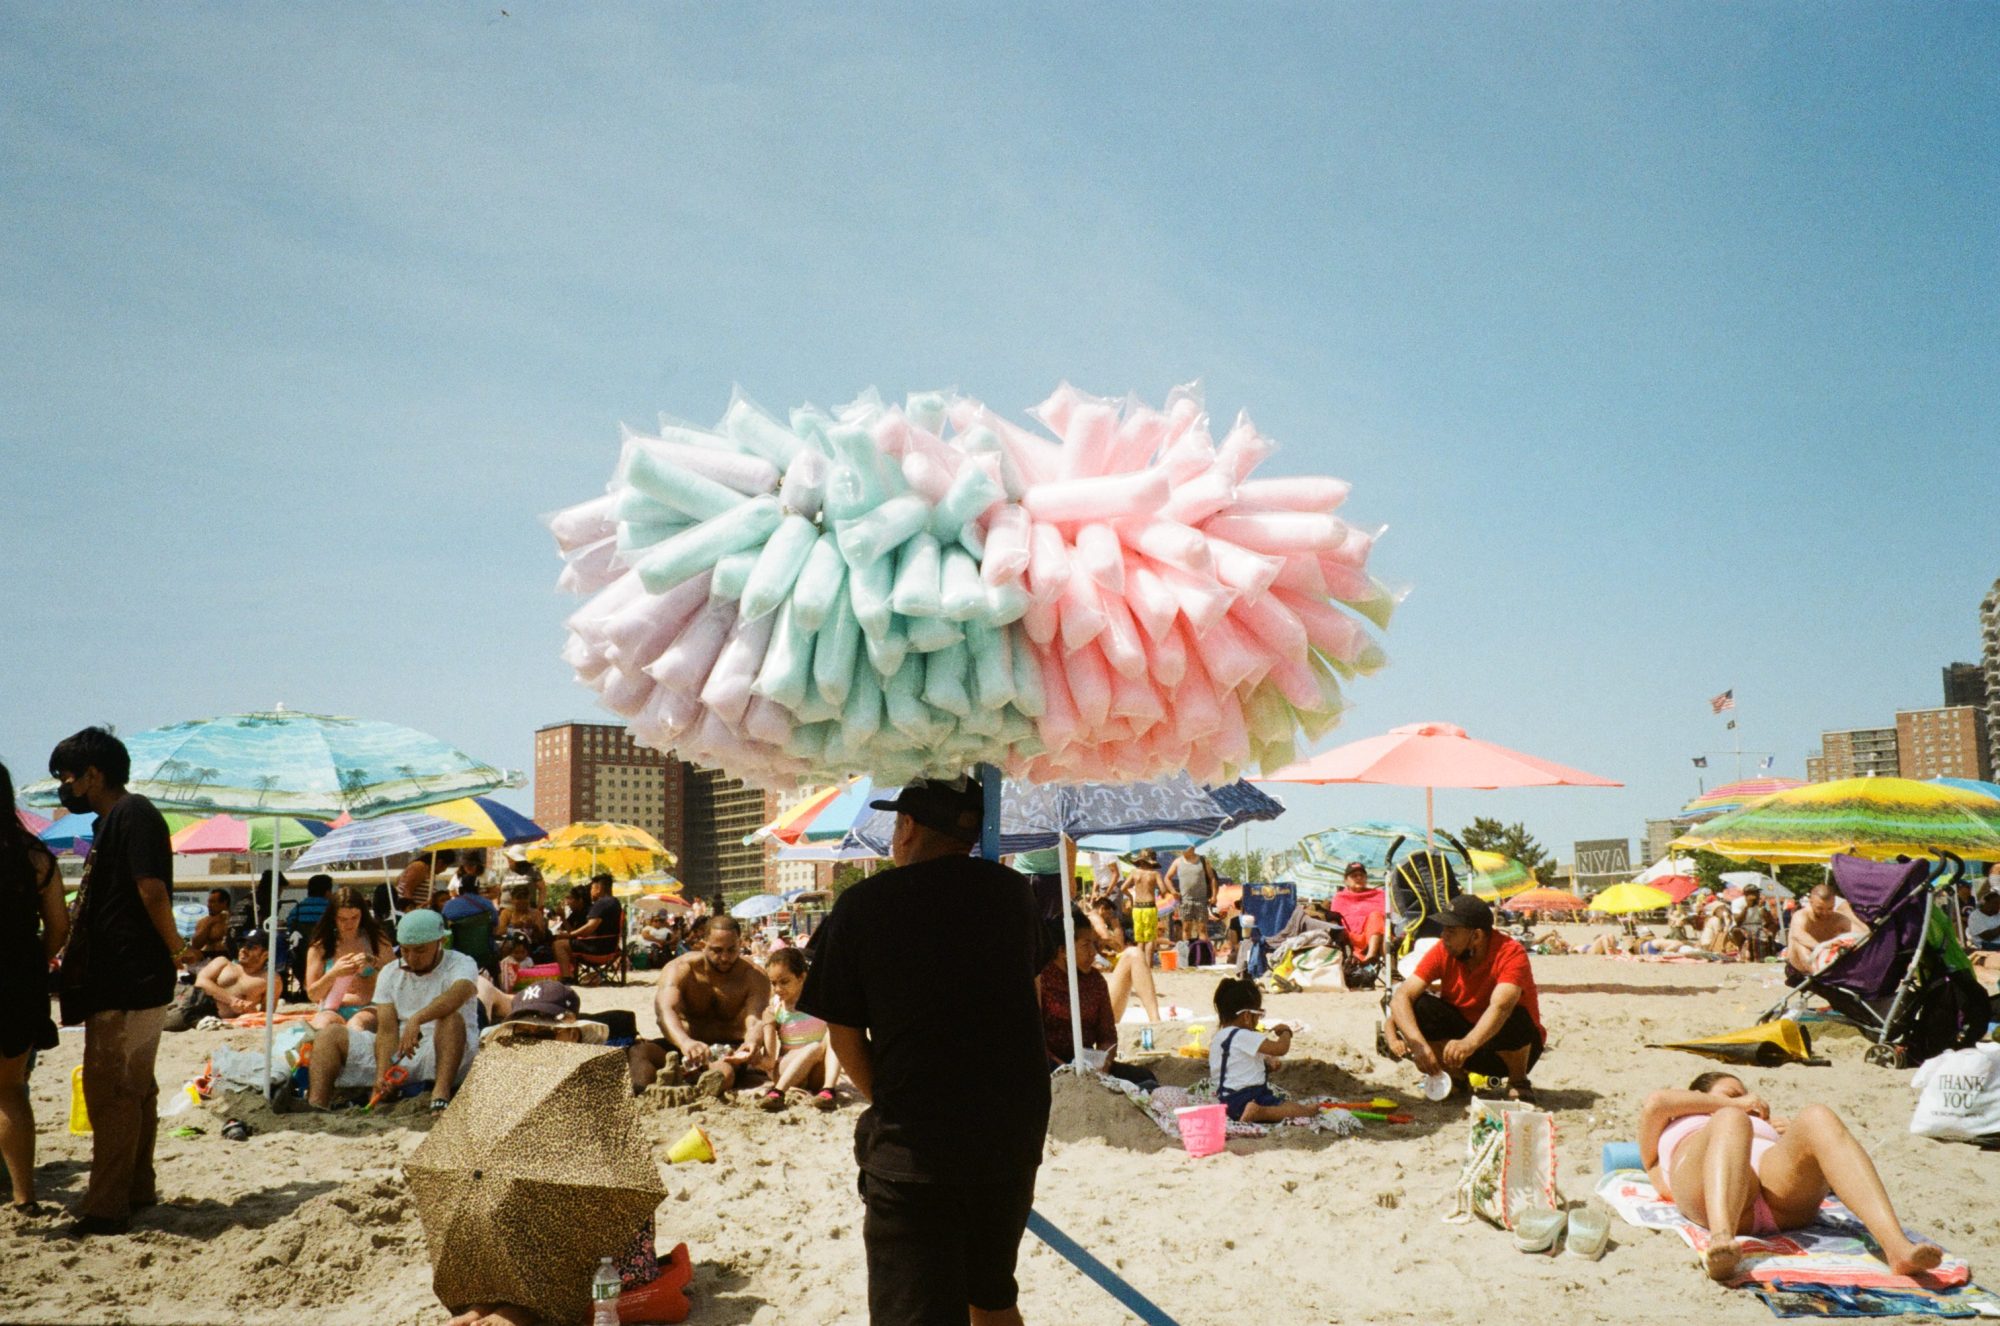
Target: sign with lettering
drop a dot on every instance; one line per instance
(1601, 862)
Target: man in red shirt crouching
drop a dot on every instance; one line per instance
(1483, 1018)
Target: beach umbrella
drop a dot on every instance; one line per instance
(226, 833)
(284, 763)
(1877, 818)
(1544, 900)
(757, 906)
(30, 821)
(655, 884)
(1034, 816)
(839, 816)
(591, 847)
(792, 822)
(1676, 887)
(487, 823)
(1624, 899)
(509, 1215)
(1430, 756)
(1497, 875)
(1664, 867)
(374, 840)
(1735, 796)
(69, 833)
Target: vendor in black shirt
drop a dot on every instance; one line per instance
(946, 1043)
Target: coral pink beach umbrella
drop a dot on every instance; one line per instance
(1430, 756)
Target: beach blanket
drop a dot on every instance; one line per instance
(1833, 1250)
(1136, 1015)
(1161, 1104)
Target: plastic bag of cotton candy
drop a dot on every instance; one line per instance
(918, 588)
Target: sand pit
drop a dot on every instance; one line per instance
(309, 1217)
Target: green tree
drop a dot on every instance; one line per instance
(1248, 867)
(1514, 840)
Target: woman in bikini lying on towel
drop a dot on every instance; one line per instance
(1715, 1151)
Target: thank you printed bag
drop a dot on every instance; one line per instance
(1958, 1095)
(1510, 1164)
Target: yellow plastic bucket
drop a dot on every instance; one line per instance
(79, 1112)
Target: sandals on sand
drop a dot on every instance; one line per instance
(1519, 1088)
(773, 1101)
(824, 1100)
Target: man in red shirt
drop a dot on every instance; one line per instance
(1484, 1016)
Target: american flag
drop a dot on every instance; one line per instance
(1726, 700)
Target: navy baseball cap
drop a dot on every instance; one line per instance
(954, 806)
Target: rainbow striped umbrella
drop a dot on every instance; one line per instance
(30, 821)
(1735, 796)
(1879, 818)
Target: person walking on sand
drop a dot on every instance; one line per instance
(1145, 888)
(1717, 1153)
(118, 973)
(33, 926)
(945, 1042)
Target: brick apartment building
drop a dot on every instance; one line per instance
(1943, 743)
(595, 771)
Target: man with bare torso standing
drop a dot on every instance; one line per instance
(1144, 882)
(709, 998)
(1194, 877)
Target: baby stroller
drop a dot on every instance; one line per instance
(1908, 986)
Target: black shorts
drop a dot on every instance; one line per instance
(1439, 1021)
(934, 1248)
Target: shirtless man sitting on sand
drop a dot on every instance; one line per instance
(708, 997)
(1825, 916)
(238, 987)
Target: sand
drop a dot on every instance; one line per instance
(309, 1218)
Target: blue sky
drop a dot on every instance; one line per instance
(1663, 337)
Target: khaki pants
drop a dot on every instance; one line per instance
(119, 1047)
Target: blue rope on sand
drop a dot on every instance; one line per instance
(1106, 1279)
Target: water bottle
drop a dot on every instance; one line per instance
(1146, 1039)
(604, 1295)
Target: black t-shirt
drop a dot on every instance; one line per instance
(116, 958)
(954, 1029)
(608, 915)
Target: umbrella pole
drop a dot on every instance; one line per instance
(1430, 819)
(271, 968)
(1066, 860)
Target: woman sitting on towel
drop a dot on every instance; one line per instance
(1715, 1151)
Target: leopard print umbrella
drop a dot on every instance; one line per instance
(537, 1171)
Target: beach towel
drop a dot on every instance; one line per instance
(1800, 1300)
(1136, 1015)
(1833, 1250)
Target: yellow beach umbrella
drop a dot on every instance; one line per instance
(591, 847)
(1497, 875)
(1623, 899)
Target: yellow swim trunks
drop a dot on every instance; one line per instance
(1145, 924)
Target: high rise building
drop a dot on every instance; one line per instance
(1858, 752)
(1989, 661)
(1965, 684)
(1943, 743)
(595, 771)
(1660, 835)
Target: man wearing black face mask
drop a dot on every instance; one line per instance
(117, 972)
(1484, 1018)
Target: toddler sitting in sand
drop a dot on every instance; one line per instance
(1239, 1056)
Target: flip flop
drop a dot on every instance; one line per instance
(1522, 1090)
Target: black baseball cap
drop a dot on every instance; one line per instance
(253, 938)
(954, 806)
(1355, 868)
(1466, 912)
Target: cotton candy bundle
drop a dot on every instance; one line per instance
(913, 589)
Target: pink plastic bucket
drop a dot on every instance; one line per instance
(547, 971)
(1204, 1128)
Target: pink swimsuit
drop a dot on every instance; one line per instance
(1762, 1138)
